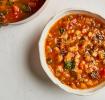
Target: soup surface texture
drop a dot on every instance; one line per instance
(75, 51)
(16, 10)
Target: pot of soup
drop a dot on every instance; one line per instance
(72, 51)
(20, 11)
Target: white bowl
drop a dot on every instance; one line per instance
(43, 57)
(32, 16)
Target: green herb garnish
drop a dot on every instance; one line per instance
(10, 3)
(61, 30)
(70, 65)
(25, 8)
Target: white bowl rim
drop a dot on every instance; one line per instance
(43, 58)
(34, 15)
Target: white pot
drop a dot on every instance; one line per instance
(43, 58)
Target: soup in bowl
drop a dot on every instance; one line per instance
(72, 51)
(13, 11)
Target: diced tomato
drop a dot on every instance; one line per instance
(32, 4)
(74, 21)
(16, 8)
(102, 72)
(13, 16)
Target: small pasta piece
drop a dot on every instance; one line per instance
(57, 50)
(95, 82)
(102, 54)
(69, 56)
(82, 64)
(59, 68)
(90, 34)
(78, 32)
(60, 58)
(89, 83)
(73, 49)
(73, 86)
(64, 36)
(77, 59)
(66, 74)
(78, 76)
(94, 53)
(83, 85)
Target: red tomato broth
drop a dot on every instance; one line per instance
(17, 10)
(75, 51)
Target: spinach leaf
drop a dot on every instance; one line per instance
(70, 65)
(25, 8)
(61, 30)
(10, 3)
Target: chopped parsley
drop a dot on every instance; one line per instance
(25, 8)
(70, 65)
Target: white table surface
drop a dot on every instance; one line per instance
(21, 75)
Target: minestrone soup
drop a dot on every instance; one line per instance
(16, 10)
(75, 51)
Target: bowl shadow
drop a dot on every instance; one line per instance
(36, 70)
